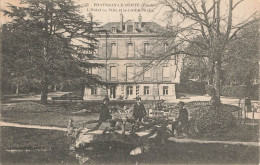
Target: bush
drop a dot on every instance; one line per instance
(234, 91)
(191, 87)
(25, 107)
(209, 90)
(208, 122)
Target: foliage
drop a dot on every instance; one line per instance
(208, 28)
(239, 91)
(55, 42)
(240, 64)
(208, 121)
(25, 107)
(191, 87)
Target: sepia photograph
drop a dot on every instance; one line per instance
(129, 82)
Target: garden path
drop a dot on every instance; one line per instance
(184, 140)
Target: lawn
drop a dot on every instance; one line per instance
(58, 114)
(169, 153)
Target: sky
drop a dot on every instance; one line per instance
(109, 10)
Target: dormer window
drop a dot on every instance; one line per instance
(113, 29)
(130, 29)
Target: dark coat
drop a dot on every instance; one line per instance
(183, 116)
(104, 113)
(139, 111)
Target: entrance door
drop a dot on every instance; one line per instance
(113, 92)
(130, 92)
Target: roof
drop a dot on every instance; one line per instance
(152, 26)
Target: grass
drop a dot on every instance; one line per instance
(59, 113)
(169, 153)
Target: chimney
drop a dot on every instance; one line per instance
(140, 21)
(121, 22)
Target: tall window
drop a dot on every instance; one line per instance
(129, 73)
(146, 48)
(166, 73)
(165, 47)
(146, 90)
(93, 90)
(113, 73)
(113, 50)
(130, 50)
(147, 74)
(129, 90)
(130, 29)
(165, 90)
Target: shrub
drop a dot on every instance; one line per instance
(209, 89)
(191, 87)
(208, 122)
(25, 107)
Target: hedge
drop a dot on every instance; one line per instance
(239, 91)
(191, 87)
(25, 107)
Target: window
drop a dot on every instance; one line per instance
(165, 90)
(129, 73)
(146, 90)
(146, 48)
(93, 90)
(130, 50)
(113, 29)
(113, 50)
(129, 90)
(165, 47)
(129, 28)
(166, 73)
(113, 73)
(147, 74)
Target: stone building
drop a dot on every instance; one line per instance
(130, 51)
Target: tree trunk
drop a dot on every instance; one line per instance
(44, 91)
(216, 84)
(17, 89)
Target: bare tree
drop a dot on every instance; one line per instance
(213, 20)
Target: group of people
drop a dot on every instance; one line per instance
(138, 114)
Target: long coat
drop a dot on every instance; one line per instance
(139, 111)
(183, 116)
(104, 113)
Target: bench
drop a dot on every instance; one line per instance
(71, 98)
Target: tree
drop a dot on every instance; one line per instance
(240, 66)
(241, 60)
(55, 41)
(215, 26)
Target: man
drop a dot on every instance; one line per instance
(139, 110)
(104, 114)
(138, 113)
(182, 120)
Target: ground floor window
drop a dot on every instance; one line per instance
(146, 90)
(113, 92)
(129, 90)
(93, 90)
(165, 90)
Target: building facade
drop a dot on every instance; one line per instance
(131, 52)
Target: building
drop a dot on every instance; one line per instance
(130, 51)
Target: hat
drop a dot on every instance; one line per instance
(138, 98)
(181, 103)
